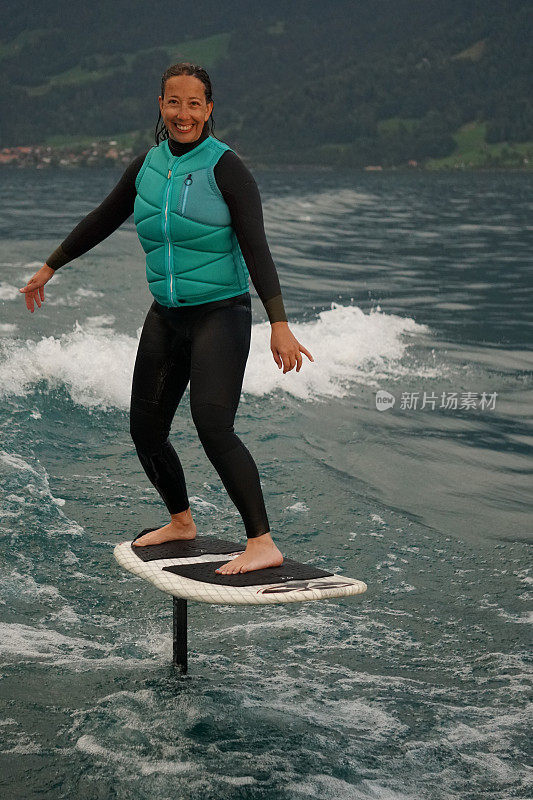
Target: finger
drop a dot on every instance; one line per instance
(29, 302)
(290, 361)
(41, 292)
(277, 359)
(35, 297)
(298, 362)
(30, 286)
(307, 353)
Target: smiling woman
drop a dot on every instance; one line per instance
(199, 219)
(183, 108)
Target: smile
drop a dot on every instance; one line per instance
(183, 128)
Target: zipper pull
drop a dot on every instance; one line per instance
(169, 173)
(188, 180)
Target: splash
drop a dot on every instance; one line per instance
(94, 364)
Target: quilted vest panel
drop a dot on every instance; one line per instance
(184, 226)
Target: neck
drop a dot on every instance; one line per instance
(179, 148)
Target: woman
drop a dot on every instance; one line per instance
(199, 218)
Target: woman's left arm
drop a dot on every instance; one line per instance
(240, 191)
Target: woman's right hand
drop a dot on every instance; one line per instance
(34, 289)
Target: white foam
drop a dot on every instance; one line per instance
(348, 346)
(95, 364)
(8, 291)
(32, 491)
(145, 766)
(199, 503)
(298, 507)
(18, 588)
(16, 498)
(26, 748)
(25, 585)
(314, 207)
(525, 618)
(69, 558)
(326, 787)
(100, 321)
(13, 462)
(75, 298)
(44, 644)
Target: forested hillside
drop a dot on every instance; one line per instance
(351, 81)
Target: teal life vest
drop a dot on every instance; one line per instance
(184, 226)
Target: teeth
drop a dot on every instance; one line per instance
(183, 128)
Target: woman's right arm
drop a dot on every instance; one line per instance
(94, 228)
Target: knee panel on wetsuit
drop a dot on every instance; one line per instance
(149, 428)
(214, 424)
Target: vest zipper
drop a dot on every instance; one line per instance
(166, 233)
(188, 181)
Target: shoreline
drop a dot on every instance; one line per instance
(280, 167)
(286, 167)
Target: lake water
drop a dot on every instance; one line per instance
(412, 284)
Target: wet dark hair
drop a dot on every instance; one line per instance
(184, 68)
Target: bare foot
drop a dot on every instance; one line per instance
(261, 552)
(168, 533)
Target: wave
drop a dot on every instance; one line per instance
(94, 364)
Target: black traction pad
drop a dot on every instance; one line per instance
(289, 571)
(200, 546)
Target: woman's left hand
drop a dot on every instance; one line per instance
(286, 349)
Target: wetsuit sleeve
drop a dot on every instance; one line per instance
(240, 191)
(100, 223)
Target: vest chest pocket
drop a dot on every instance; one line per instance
(195, 199)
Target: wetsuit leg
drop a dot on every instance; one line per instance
(220, 343)
(160, 377)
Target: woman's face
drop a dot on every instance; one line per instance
(184, 106)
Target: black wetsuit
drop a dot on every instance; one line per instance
(206, 345)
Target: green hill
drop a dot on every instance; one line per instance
(352, 83)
